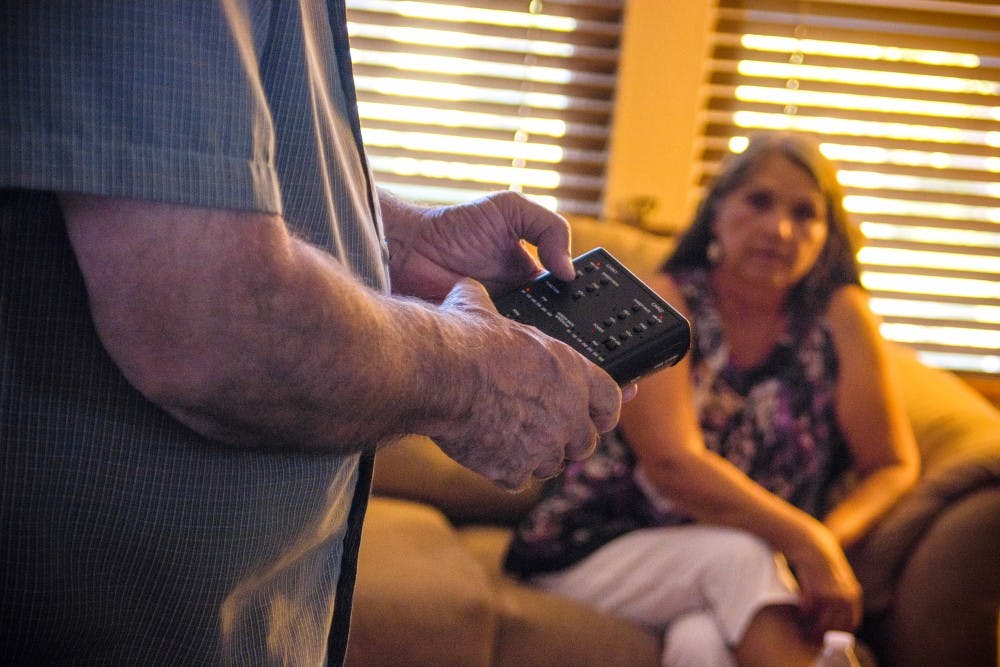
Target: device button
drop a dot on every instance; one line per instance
(640, 327)
(612, 343)
(577, 294)
(623, 314)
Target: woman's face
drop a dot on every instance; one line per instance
(772, 228)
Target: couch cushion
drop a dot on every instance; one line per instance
(544, 630)
(415, 469)
(420, 595)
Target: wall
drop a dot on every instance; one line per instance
(657, 117)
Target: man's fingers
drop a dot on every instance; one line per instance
(551, 468)
(554, 250)
(557, 259)
(605, 401)
(583, 448)
(546, 230)
(511, 483)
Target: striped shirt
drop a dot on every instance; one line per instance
(125, 537)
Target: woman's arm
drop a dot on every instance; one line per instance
(661, 425)
(871, 416)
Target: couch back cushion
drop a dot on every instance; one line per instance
(951, 420)
(643, 253)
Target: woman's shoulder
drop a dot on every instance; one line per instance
(848, 299)
(678, 289)
(849, 316)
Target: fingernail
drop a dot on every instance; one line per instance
(629, 392)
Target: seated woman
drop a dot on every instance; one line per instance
(721, 480)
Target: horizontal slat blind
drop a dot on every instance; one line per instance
(466, 97)
(905, 97)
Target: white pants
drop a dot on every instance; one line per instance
(699, 585)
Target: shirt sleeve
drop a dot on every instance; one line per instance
(155, 101)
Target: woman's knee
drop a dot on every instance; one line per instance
(747, 576)
(694, 640)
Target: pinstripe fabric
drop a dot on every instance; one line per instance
(126, 538)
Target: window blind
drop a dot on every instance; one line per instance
(904, 95)
(465, 97)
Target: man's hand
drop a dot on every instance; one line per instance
(433, 248)
(537, 402)
(252, 337)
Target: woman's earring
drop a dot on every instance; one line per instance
(713, 251)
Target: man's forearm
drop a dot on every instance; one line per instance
(253, 337)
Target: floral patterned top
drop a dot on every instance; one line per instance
(775, 422)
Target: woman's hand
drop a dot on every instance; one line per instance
(432, 248)
(831, 595)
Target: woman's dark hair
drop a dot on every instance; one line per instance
(837, 263)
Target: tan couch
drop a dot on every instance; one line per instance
(431, 593)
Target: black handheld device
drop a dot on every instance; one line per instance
(606, 313)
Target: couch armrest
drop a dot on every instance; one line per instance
(958, 433)
(880, 558)
(948, 594)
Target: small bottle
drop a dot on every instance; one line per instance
(838, 650)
